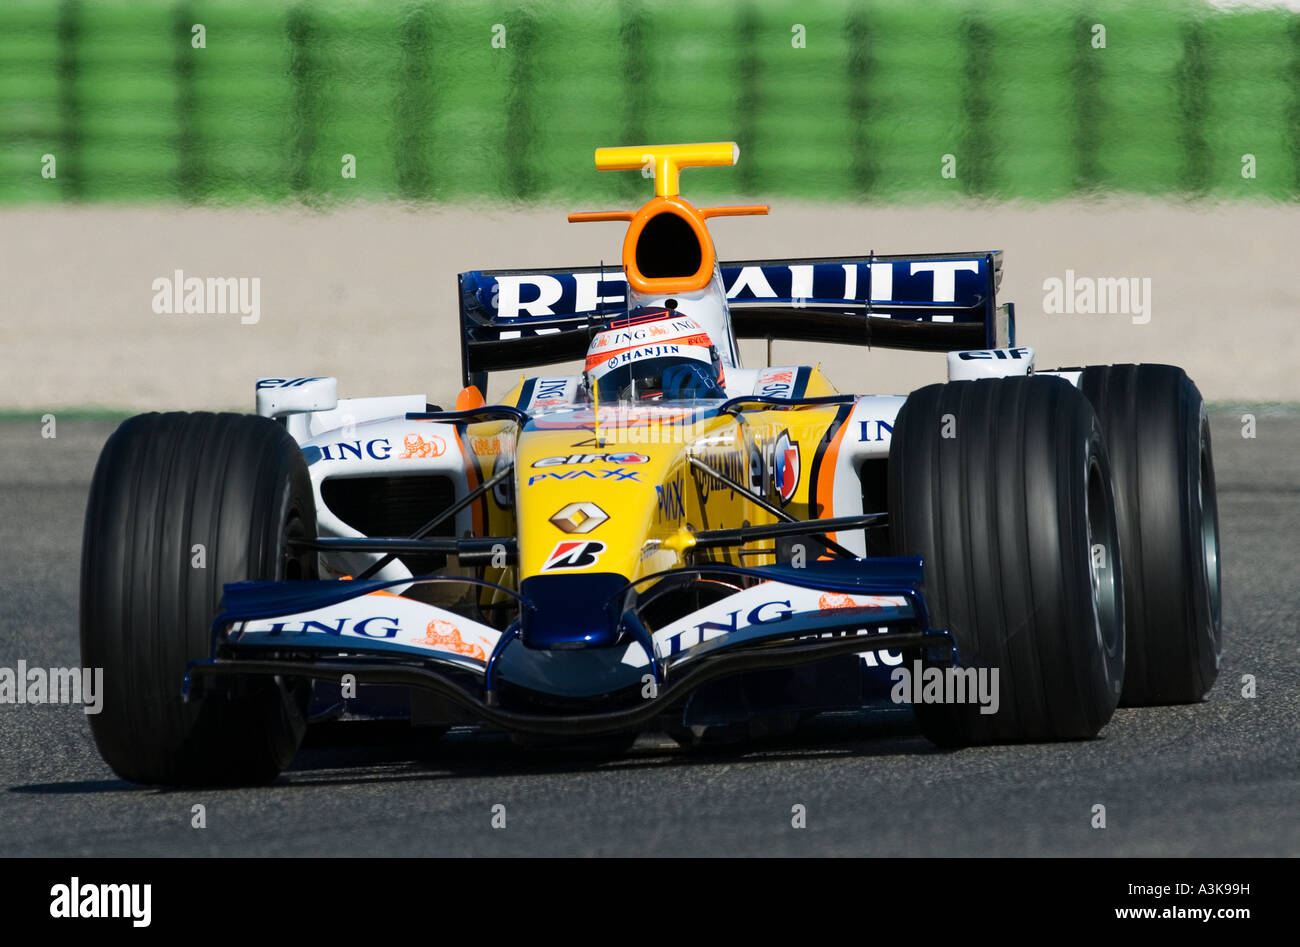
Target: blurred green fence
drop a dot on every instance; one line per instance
(449, 101)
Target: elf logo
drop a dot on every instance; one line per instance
(571, 554)
(625, 458)
(285, 382)
(981, 354)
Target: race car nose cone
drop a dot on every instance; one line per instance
(570, 611)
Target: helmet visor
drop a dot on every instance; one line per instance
(688, 373)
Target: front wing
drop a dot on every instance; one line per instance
(790, 616)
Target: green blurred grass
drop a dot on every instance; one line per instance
(431, 110)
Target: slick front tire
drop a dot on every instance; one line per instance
(181, 504)
(1003, 487)
(1158, 437)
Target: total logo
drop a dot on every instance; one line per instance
(573, 554)
(785, 466)
(571, 459)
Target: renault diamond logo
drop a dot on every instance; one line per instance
(579, 517)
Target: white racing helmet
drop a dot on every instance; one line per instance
(652, 355)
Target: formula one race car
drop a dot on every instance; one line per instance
(666, 541)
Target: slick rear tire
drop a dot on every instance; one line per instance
(181, 504)
(1158, 437)
(1003, 487)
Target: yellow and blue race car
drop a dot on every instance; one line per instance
(665, 540)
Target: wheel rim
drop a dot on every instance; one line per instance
(1102, 556)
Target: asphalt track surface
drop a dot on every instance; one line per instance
(1218, 778)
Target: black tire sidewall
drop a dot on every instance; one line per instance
(166, 485)
(998, 514)
(1157, 432)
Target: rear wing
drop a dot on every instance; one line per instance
(933, 302)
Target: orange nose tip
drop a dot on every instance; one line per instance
(469, 399)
